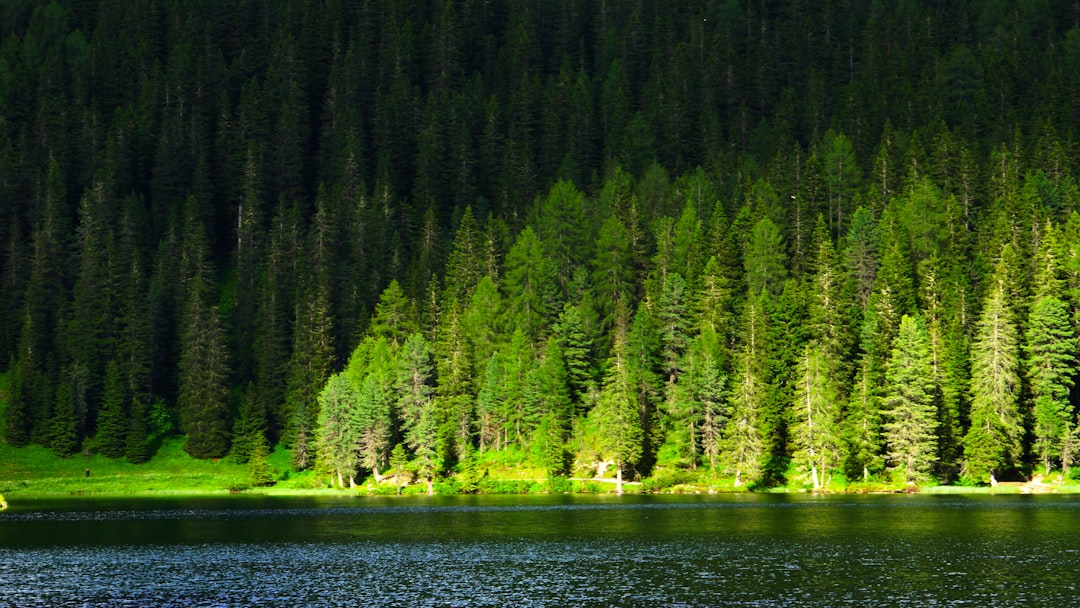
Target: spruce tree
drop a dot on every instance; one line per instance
(258, 465)
(815, 429)
(908, 406)
(992, 443)
(1051, 366)
(137, 447)
(112, 422)
(337, 437)
(621, 432)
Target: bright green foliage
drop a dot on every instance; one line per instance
(395, 315)
(373, 408)
(620, 430)
(697, 407)
(112, 423)
(529, 284)
(743, 444)
(259, 471)
(337, 435)
(576, 348)
(1051, 364)
(547, 398)
(909, 406)
(815, 430)
(764, 258)
(482, 322)
(862, 433)
(417, 406)
(992, 442)
(454, 364)
(612, 270)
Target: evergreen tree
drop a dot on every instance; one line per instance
(992, 443)
(258, 464)
(137, 447)
(417, 406)
(621, 433)
(815, 431)
(1051, 366)
(337, 436)
(862, 431)
(744, 445)
(249, 425)
(112, 422)
(63, 437)
(203, 367)
(909, 408)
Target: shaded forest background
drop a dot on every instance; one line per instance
(766, 238)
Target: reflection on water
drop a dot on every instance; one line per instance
(545, 551)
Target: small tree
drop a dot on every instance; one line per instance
(258, 469)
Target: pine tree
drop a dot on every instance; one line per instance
(137, 448)
(1051, 365)
(744, 445)
(112, 422)
(815, 430)
(621, 433)
(63, 437)
(249, 424)
(908, 406)
(863, 426)
(375, 392)
(417, 407)
(992, 443)
(337, 436)
(258, 465)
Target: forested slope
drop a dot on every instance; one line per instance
(765, 239)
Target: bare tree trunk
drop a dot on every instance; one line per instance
(618, 478)
(430, 487)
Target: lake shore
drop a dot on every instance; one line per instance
(34, 473)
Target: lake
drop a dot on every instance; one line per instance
(573, 550)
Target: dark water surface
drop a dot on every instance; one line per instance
(761, 550)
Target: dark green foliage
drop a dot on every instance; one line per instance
(63, 438)
(137, 448)
(226, 202)
(112, 422)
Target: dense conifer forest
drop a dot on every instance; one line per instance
(765, 240)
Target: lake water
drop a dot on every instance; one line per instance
(737, 550)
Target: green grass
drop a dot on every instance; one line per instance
(36, 471)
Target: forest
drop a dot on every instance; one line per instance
(764, 240)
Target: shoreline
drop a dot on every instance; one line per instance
(414, 490)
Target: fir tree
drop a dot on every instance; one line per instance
(815, 430)
(258, 465)
(112, 422)
(1051, 365)
(909, 408)
(337, 430)
(992, 443)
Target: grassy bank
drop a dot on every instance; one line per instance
(33, 472)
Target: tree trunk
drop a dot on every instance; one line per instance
(618, 477)
(375, 474)
(813, 474)
(340, 479)
(430, 487)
